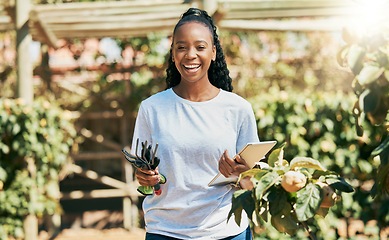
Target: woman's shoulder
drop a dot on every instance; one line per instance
(234, 98)
(158, 98)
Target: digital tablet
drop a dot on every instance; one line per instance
(251, 153)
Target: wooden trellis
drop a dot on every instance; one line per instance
(119, 19)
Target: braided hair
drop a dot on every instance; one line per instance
(218, 73)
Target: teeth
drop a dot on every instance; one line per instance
(191, 66)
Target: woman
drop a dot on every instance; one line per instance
(196, 122)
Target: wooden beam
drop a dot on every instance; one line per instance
(103, 115)
(100, 139)
(84, 13)
(75, 88)
(100, 193)
(117, 33)
(285, 13)
(265, 5)
(102, 25)
(136, 17)
(112, 182)
(144, 4)
(327, 24)
(92, 156)
(48, 34)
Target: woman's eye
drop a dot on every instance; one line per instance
(180, 47)
(201, 47)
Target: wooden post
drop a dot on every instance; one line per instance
(210, 6)
(25, 89)
(130, 216)
(30, 223)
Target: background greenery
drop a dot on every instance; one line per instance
(34, 144)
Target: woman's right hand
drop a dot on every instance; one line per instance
(147, 177)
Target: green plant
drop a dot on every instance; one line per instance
(322, 126)
(368, 58)
(289, 193)
(35, 140)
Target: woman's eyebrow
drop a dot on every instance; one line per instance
(198, 41)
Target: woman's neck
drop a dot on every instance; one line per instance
(196, 92)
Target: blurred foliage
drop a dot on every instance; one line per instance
(367, 57)
(34, 144)
(289, 60)
(7, 63)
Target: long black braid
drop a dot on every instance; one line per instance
(218, 73)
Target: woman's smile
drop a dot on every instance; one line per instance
(192, 67)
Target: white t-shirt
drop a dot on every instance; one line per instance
(191, 137)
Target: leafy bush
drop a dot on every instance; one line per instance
(34, 144)
(321, 126)
(288, 193)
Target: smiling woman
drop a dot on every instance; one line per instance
(196, 122)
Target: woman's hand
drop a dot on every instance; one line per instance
(229, 166)
(147, 177)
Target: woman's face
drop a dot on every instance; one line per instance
(192, 51)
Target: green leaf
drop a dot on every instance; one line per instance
(275, 155)
(386, 73)
(278, 199)
(369, 101)
(381, 147)
(264, 183)
(338, 183)
(286, 221)
(254, 172)
(305, 162)
(318, 173)
(369, 74)
(382, 179)
(16, 129)
(355, 58)
(3, 174)
(341, 55)
(242, 200)
(308, 202)
(262, 210)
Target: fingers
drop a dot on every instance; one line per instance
(147, 177)
(229, 166)
(225, 164)
(240, 160)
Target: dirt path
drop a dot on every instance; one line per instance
(95, 234)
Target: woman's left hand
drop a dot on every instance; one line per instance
(229, 166)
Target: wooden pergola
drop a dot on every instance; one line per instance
(49, 23)
(120, 19)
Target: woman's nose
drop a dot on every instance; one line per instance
(191, 53)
